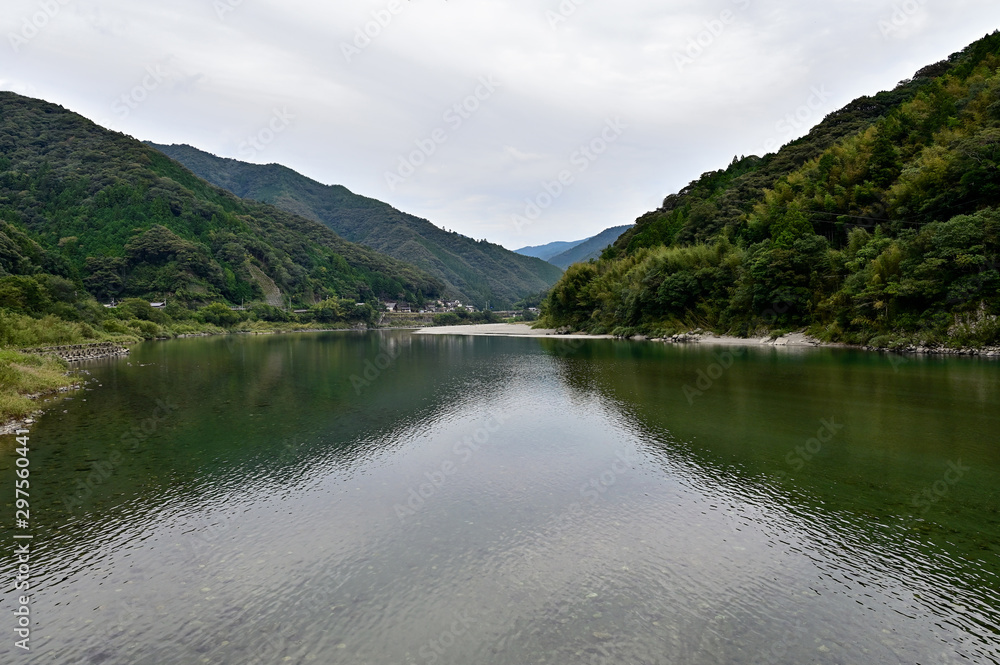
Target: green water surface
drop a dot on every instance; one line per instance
(396, 498)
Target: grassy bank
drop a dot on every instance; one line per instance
(22, 375)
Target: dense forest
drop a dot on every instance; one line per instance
(474, 271)
(91, 215)
(879, 227)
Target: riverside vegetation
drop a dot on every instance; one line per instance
(88, 216)
(880, 227)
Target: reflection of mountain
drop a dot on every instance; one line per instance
(769, 402)
(748, 434)
(246, 408)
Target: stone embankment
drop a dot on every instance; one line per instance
(986, 351)
(79, 352)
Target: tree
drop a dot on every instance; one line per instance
(219, 315)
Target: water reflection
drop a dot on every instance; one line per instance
(363, 498)
(848, 499)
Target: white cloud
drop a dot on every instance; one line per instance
(688, 108)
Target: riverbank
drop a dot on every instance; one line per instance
(28, 375)
(525, 330)
(24, 378)
(502, 330)
(790, 340)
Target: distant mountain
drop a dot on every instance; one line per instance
(546, 252)
(473, 271)
(588, 249)
(99, 210)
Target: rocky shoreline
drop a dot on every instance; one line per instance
(12, 426)
(80, 352)
(801, 339)
(791, 340)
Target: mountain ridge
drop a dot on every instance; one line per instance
(591, 248)
(102, 210)
(548, 250)
(472, 271)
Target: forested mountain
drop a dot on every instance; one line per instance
(98, 210)
(881, 226)
(590, 248)
(472, 271)
(548, 250)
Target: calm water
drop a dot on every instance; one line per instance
(511, 501)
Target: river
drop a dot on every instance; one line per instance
(390, 498)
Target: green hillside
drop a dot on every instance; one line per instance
(880, 227)
(472, 271)
(100, 212)
(591, 248)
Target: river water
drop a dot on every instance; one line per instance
(392, 498)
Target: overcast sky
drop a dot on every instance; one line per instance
(467, 112)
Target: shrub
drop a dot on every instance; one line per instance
(447, 319)
(22, 331)
(136, 308)
(264, 312)
(146, 329)
(219, 315)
